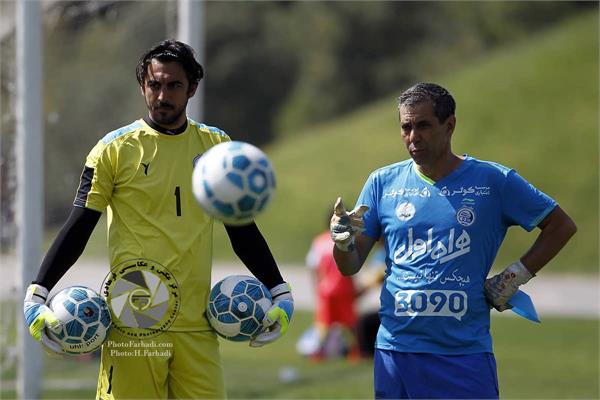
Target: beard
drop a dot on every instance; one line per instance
(165, 114)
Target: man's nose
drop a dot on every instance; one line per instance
(414, 136)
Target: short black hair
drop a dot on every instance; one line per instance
(443, 102)
(171, 50)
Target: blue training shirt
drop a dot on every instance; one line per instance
(441, 239)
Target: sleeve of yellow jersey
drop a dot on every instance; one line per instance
(97, 178)
(218, 136)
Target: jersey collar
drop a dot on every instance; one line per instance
(430, 181)
(170, 132)
(421, 175)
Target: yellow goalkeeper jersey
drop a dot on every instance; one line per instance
(159, 238)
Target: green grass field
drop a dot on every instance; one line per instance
(555, 360)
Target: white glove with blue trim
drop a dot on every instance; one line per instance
(501, 287)
(39, 316)
(279, 316)
(345, 225)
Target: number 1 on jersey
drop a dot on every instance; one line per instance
(178, 201)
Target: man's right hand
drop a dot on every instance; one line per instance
(345, 225)
(37, 315)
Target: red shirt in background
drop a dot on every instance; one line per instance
(336, 293)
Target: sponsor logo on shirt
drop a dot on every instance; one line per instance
(431, 303)
(463, 191)
(405, 211)
(442, 250)
(408, 192)
(444, 192)
(430, 276)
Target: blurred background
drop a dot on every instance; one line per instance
(314, 84)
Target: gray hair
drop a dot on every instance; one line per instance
(443, 102)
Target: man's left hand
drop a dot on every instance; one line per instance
(278, 317)
(501, 287)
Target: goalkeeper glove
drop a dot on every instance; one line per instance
(501, 287)
(278, 317)
(344, 225)
(39, 316)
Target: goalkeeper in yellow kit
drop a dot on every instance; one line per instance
(160, 244)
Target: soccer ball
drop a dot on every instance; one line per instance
(85, 319)
(237, 306)
(233, 182)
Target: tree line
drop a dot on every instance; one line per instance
(271, 67)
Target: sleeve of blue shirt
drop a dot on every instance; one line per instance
(369, 197)
(523, 204)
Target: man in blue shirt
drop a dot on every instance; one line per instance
(443, 218)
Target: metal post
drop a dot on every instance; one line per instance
(30, 173)
(190, 30)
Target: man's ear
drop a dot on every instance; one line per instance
(451, 124)
(192, 90)
(142, 90)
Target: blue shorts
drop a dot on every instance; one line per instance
(434, 376)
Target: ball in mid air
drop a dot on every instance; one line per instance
(233, 182)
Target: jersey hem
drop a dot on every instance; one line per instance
(443, 351)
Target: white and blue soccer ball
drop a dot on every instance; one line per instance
(237, 306)
(85, 319)
(233, 182)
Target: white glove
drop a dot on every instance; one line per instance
(277, 319)
(345, 225)
(39, 316)
(501, 287)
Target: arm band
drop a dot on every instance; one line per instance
(68, 246)
(250, 246)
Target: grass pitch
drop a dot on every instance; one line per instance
(555, 360)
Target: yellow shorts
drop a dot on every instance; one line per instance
(170, 365)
